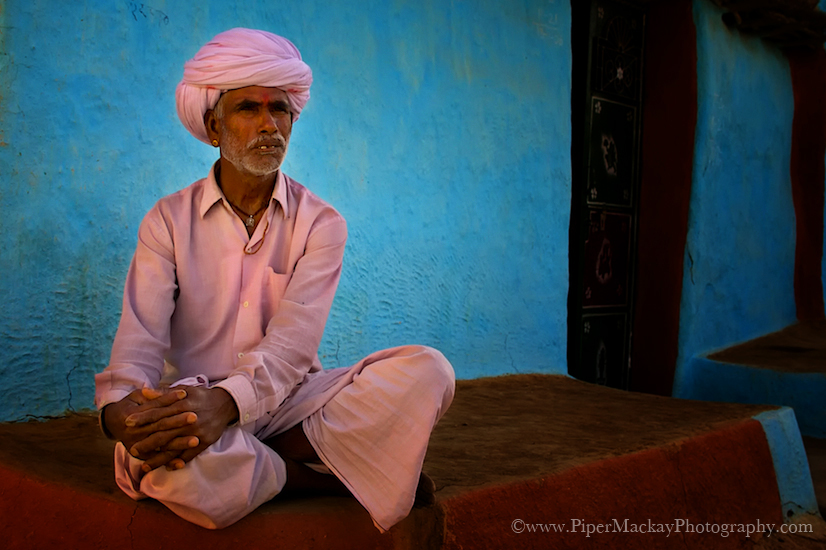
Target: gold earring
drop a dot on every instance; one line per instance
(215, 143)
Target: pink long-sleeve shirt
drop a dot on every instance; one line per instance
(208, 299)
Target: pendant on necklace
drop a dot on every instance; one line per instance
(249, 222)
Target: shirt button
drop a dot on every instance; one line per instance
(240, 354)
(246, 304)
(246, 417)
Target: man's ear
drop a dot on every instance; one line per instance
(211, 124)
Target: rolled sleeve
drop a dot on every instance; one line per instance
(242, 392)
(142, 338)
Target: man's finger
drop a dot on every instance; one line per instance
(158, 460)
(155, 409)
(183, 443)
(166, 423)
(175, 464)
(152, 443)
(189, 454)
(163, 398)
(151, 393)
(194, 448)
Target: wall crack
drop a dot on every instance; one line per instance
(510, 356)
(129, 528)
(69, 388)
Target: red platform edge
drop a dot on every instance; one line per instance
(724, 477)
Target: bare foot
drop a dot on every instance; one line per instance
(425, 492)
(304, 481)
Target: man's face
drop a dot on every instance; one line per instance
(253, 126)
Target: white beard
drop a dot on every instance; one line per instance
(246, 160)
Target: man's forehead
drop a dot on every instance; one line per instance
(258, 94)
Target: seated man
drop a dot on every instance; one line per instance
(226, 298)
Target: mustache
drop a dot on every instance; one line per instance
(267, 140)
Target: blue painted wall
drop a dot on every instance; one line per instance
(441, 130)
(739, 257)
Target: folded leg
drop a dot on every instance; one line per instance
(373, 434)
(224, 483)
(369, 424)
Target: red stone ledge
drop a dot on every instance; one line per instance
(540, 449)
(722, 477)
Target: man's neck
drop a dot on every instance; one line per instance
(244, 190)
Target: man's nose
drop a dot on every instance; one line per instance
(267, 124)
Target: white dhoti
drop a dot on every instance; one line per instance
(369, 423)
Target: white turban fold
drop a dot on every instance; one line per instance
(238, 58)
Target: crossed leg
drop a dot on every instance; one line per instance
(373, 434)
(296, 451)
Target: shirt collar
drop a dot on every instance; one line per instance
(213, 194)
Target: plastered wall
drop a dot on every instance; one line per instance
(739, 256)
(440, 130)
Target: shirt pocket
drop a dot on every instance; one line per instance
(275, 285)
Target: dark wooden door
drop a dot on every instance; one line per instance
(607, 47)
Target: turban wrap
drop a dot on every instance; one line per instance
(235, 59)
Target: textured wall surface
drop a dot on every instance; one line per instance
(739, 257)
(441, 130)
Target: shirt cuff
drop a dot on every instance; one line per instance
(242, 392)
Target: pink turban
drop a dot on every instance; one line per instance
(235, 59)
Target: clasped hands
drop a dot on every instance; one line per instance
(170, 427)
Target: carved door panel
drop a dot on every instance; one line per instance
(607, 43)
